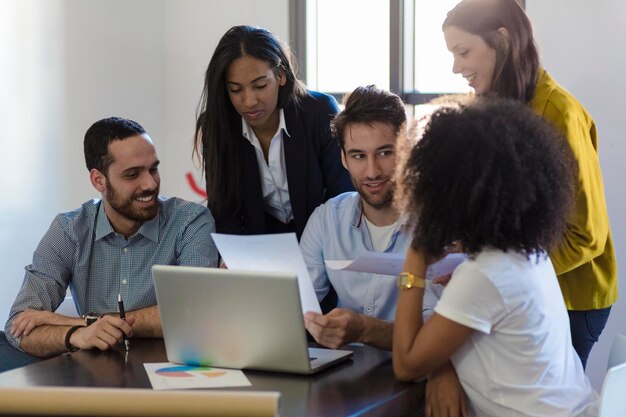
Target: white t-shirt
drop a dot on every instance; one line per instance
(380, 235)
(520, 360)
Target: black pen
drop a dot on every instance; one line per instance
(120, 304)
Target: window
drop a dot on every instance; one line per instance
(432, 62)
(395, 44)
(347, 44)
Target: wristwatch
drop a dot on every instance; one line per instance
(407, 280)
(91, 318)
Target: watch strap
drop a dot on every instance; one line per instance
(69, 334)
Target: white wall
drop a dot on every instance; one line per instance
(145, 59)
(581, 43)
(32, 138)
(66, 64)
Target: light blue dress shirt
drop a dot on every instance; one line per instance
(337, 231)
(81, 250)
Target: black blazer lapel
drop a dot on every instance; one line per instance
(296, 161)
(252, 204)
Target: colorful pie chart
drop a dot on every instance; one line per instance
(188, 371)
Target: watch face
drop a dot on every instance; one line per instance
(407, 280)
(91, 318)
(404, 280)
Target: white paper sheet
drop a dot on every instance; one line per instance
(275, 252)
(373, 262)
(392, 263)
(166, 375)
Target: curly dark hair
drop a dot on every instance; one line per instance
(487, 174)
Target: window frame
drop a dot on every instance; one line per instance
(401, 51)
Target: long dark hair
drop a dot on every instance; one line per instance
(218, 125)
(517, 60)
(488, 174)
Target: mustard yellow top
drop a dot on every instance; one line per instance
(585, 260)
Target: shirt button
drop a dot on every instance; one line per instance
(124, 281)
(368, 309)
(125, 250)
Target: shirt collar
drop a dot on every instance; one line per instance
(249, 134)
(103, 226)
(149, 229)
(358, 218)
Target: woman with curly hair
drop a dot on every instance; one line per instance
(494, 50)
(492, 178)
(264, 140)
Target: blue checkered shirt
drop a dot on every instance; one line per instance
(81, 250)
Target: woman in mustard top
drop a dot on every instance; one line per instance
(494, 50)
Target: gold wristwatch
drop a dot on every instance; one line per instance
(407, 280)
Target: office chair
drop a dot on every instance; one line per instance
(612, 398)
(618, 353)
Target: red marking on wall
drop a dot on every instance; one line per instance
(194, 186)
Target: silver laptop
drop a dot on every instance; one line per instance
(236, 319)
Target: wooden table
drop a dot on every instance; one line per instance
(362, 386)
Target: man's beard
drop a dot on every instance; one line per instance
(376, 201)
(125, 206)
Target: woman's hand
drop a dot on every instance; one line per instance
(443, 279)
(444, 394)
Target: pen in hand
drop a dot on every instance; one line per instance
(120, 304)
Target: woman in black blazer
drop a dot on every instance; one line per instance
(264, 140)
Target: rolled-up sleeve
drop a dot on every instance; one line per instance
(46, 279)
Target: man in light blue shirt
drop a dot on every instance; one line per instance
(355, 222)
(105, 249)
